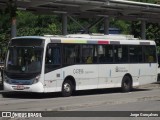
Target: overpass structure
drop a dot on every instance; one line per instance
(97, 9)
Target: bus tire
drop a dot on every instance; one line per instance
(67, 88)
(126, 84)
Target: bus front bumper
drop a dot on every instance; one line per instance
(37, 87)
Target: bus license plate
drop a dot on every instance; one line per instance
(20, 87)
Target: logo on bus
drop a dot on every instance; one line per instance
(121, 69)
(116, 68)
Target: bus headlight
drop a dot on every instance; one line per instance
(36, 79)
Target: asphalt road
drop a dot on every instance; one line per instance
(144, 98)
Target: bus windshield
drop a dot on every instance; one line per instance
(24, 59)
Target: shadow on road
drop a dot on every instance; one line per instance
(25, 95)
(158, 82)
(1, 86)
(104, 91)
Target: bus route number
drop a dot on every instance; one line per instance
(78, 71)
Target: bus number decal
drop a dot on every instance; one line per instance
(78, 71)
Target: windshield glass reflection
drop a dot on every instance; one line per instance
(24, 60)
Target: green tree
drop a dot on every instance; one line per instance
(31, 24)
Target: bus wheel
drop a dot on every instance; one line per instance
(67, 88)
(126, 84)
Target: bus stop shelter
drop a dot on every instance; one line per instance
(99, 9)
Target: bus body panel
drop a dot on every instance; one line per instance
(143, 73)
(108, 77)
(85, 77)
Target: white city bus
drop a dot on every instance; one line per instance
(78, 62)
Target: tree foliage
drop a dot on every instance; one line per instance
(30, 24)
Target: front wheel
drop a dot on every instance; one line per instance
(126, 84)
(67, 88)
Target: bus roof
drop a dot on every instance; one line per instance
(101, 39)
(93, 39)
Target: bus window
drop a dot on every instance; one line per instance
(71, 54)
(105, 53)
(53, 57)
(149, 54)
(135, 54)
(20, 59)
(89, 54)
(121, 54)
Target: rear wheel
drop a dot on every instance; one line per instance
(126, 84)
(67, 88)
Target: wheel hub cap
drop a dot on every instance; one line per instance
(67, 87)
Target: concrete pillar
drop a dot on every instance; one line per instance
(143, 29)
(64, 24)
(13, 28)
(106, 25)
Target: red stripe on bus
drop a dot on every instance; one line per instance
(103, 42)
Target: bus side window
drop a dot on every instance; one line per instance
(69, 54)
(150, 58)
(48, 56)
(149, 54)
(53, 57)
(89, 54)
(89, 59)
(56, 56)
(71, 58)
